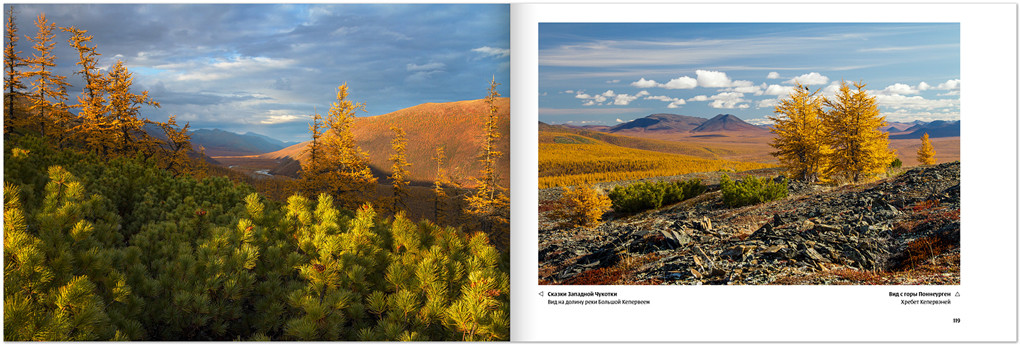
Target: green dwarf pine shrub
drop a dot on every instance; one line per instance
(122, 250)
(751, 190)
(651, 195)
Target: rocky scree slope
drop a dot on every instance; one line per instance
(899, 230)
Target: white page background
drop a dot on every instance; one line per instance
(987, 306)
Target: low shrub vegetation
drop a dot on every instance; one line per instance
(751, 190)
(651, 195)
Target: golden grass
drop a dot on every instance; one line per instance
(569, 159)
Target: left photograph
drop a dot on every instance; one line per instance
(256, 172)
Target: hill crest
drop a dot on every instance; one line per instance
(455, 126)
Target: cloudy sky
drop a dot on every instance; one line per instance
(611, 73)
(264, 68)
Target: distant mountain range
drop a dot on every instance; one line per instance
(223, 143)
(935, 129)
(673, 123)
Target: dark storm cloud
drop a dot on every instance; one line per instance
(253, 66)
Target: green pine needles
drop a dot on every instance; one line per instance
(751, 190)
(651, 195)
(123, 250)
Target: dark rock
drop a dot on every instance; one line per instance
(813, 256)
(703, 224)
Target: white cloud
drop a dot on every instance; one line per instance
(773, 75)
(494, 52)
(588, 103)
(569, 91)
(683, 82)
(275, 119)
(614, 81)
(582, 95)
(830, 90)
(642, 93)
(745, 86)
(768, 103)
(619, 120)
(623, 99)
(923, 86)
(673, 102)
(953, 84)
(911, 115)
(915, 102)
(899, 89)
(778, 90)
(723, 100)
(644, 83)
(712, 79)
(812, 78)
(760, 121)
(426, 67)
(661, 98)
(950, 93)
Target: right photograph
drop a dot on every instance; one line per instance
(749, 154)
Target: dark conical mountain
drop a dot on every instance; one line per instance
(660, 122)
(726, 122)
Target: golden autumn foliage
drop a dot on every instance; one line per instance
(571, 160)
(860, 150)
(398, 179)
(312, 170)
(438, 191)
(93, 128)
(582, 206)
(49, 89)
(347, 173)
(801, 141)
(926, 154)
(123, 121)
(13, 78)
(489, 199)
(173, 153)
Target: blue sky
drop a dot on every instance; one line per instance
(264, 68)
(607, 73)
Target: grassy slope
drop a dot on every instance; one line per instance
(570, 159)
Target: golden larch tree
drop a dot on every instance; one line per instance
(173, 153)
(124, 109)
(801, 141)
(926, 154)
(398, 178)
(313, 168)
(94, 128)
(13, 84)
(347, 172)
(438, 190)
(46, 85)
(860, 150)
(489, 199)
